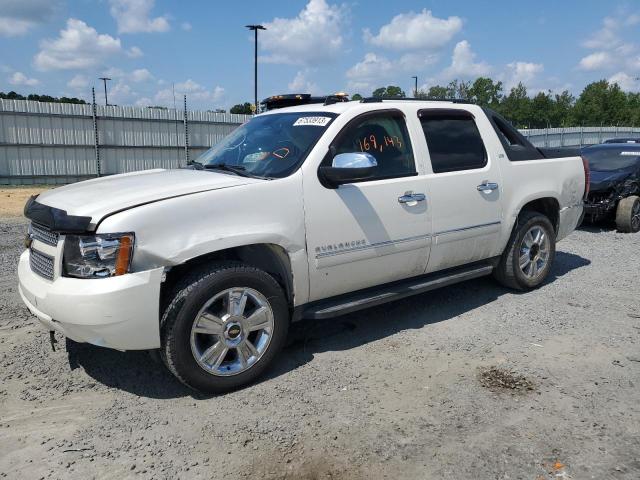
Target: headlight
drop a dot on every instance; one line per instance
(97, 256)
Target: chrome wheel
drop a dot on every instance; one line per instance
(232, 331)
(534, 252)
(635, 216)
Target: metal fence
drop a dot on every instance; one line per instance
(576, 136)
(62, 143)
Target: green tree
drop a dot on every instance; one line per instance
(517, 106)
(12, 96)
(562, 109)
(600, 103)
(40, 98)
(541, 110)
(242, 108)
(485, 92)
(389, 92)
(436, 92)
(356, 96)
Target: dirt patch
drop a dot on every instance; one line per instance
(12, 199)
(499, 379)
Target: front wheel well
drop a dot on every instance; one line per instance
(548, 206)
(270, 258)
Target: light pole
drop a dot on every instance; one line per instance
(104, 79)
(415, 90)
(255, 29)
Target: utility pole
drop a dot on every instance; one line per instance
(415, 90)
(106, 100)
(255, 29)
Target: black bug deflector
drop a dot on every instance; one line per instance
(54, 218)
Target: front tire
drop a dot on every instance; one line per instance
(628, 215)
(224, 326)
(528, 257)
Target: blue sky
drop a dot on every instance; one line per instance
(61, 47)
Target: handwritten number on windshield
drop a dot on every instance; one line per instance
(371, 142)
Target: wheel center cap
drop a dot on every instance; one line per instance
(535, 249)
(233, 331)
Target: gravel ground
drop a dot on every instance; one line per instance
(469, 382)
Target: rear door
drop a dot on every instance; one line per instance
(464, 189)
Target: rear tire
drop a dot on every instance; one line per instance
(628, 215)
(529, 254)
(223, 327)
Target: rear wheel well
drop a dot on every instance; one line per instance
(548, 206)
(270, 258)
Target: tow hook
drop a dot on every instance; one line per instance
(52, 339)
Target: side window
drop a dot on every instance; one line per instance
(384, 136)
(453, 140)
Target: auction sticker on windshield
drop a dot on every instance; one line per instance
(317, 121)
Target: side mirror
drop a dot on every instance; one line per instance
(348, 168)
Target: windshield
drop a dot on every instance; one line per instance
(614, 159)
(271, 146)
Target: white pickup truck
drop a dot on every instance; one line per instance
(311, 211)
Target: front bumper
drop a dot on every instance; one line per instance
(119, 312)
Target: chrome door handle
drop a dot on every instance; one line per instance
(412, 197)
(487, 187)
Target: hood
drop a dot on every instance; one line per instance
(102, 196)
(605, 180)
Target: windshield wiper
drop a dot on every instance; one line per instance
(237, 169)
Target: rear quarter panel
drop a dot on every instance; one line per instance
(559, 178)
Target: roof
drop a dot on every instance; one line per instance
(341, 107)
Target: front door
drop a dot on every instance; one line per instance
(370, 232)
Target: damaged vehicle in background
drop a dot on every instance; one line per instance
(614, 192)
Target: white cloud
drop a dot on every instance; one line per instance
(301, 84)
(415, 31)
(521, 72)
(596, 61)
(141, 75)
(136, 76)
(134, 52)
(314, 36)
(372, 67)
(19, 78)
(606, 37)
(133, 16)
(79, 46)
(198, 96)
(626, 82)
(17, 17)
(609, 50)
(463, 63)
(78, 82)
(186, 26)
(375, 69)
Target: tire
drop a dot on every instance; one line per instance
(628, 215)
(509, 271)
(222, 306)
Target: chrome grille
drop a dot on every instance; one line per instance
(38, 232)
(41, 264)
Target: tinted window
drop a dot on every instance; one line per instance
(385, 137)
(453, 140)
